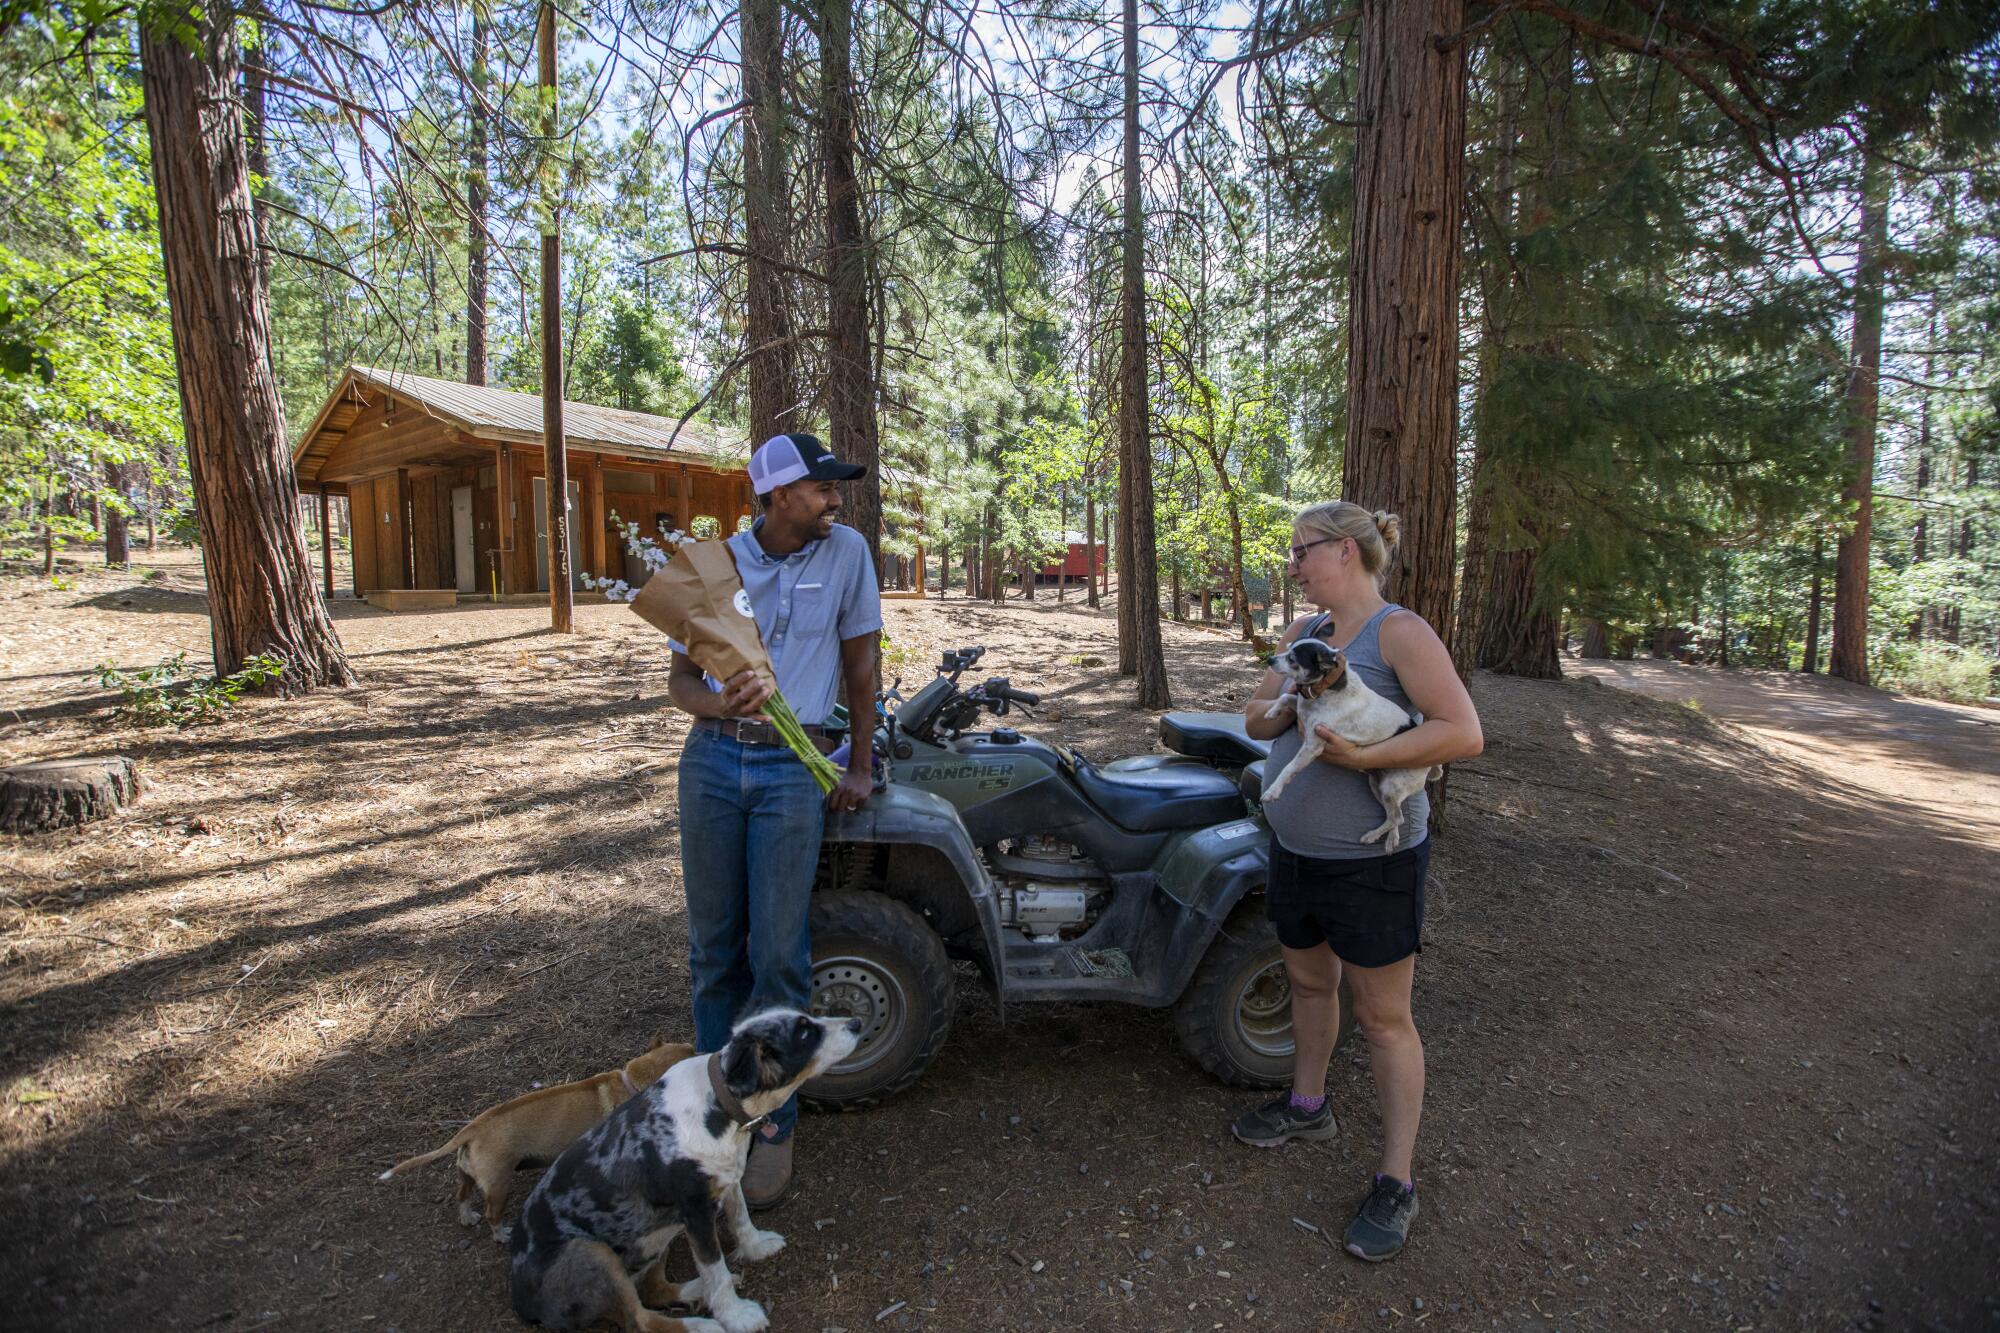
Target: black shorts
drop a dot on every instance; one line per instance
(1370, 910)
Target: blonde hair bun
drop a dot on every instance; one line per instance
(1389, 526)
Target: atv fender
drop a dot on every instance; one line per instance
(902, 814)
(1208, 872)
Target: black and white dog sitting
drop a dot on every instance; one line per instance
(670, 1160)
(1345, 706)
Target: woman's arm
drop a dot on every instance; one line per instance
(1450, 729)
(1258, 726)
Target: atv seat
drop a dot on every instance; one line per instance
(1216, 737)
(1153, 797)
(1252, 782)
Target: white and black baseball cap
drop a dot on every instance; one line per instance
(784, 459)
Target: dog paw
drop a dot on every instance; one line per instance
(741, 1316)
(759, 1245)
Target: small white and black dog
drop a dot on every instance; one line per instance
(1350, 710)
(593, 1232)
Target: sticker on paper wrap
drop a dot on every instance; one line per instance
(742, 604)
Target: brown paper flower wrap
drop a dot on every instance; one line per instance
(698, 599)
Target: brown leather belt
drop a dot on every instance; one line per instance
(755, 731)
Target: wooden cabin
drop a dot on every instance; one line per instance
(446, 490)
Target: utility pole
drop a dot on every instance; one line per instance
(555, 462)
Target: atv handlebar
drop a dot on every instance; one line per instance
(1000, 689)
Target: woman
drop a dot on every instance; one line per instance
(1339, 905)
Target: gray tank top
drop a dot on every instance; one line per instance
(1325, 809)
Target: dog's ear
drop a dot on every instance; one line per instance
(656, 1041)
(742, 1063)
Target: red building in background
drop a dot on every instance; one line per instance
(1082, 559)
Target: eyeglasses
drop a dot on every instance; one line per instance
(1299, 551)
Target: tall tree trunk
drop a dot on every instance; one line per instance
(1514, 628)
(850, 369)
(1104, 544)
(1140, 579)
(152, 511)
(1811, 663)
(1963, 550)
(1849, 657)
(1090, 544)
(476, 199)
(1402, 369)
(1925, 621)
(260, 169)
(767, 325)
(1596, 640)
(117, 539)
(260, 576)
(555, 451)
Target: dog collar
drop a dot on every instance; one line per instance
(631, 1088)
(727, 1100)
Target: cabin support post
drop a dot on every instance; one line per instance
(325, 543)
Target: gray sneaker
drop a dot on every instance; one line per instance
(767, 1176)
(1278, 1121)
(1381, 1228)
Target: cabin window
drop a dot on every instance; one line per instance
(628, 482)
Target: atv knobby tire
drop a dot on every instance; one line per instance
(1234, 1019)
(876, 959)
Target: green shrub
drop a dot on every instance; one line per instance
(1938, 671)
(166, 695)
(184, 526)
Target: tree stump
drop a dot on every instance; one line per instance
(61, 793)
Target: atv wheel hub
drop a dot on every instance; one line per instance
(857, 988)
(1264, 1011)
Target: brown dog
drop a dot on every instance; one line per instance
(535, 1128)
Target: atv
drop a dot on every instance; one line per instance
(1138, 881)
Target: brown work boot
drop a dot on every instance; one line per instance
(767, 1177)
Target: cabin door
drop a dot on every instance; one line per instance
(463, 559)
(576, 569)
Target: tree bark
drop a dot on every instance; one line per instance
(117, 532)
(1811, 664)
(555, 452)
(850, 370)
(1519, 638)
(261, 595)
(1090, 545)
(767, 325)
(1849, 657)
(62, 793)
(1596, 640)
(476, 199)
(1963, 550)
(260, 169)
(1402, 370)
(1140, 579)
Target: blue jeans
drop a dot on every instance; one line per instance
(751, 818)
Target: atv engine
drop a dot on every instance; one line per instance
(1048, 889)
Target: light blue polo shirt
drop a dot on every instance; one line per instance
(805, 604)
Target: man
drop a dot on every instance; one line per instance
(751, 815)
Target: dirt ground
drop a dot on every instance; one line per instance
(1709, 995)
